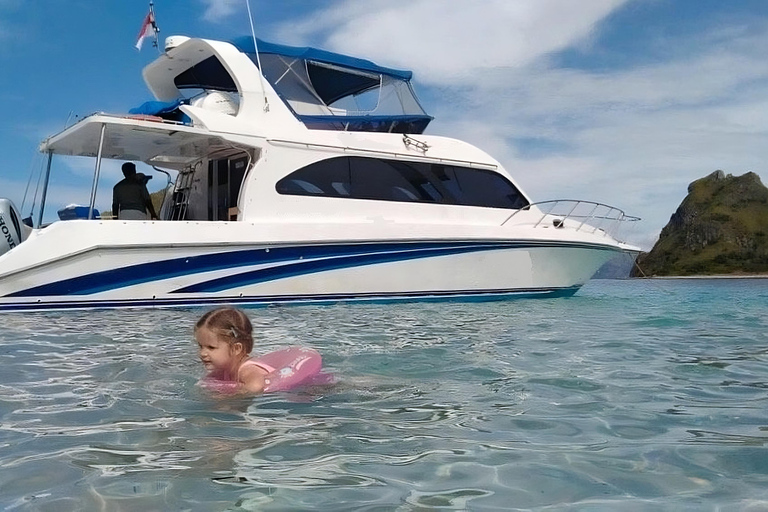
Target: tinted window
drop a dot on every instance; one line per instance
(478, 187)
(207, 74)
(395, 180)
(325, 178)
(379, 179)
(421, 179)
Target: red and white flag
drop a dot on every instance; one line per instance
(148, 29)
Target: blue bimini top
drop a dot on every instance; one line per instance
(331, 91)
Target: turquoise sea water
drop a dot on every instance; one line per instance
(632, 395)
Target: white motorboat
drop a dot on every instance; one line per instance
(308, 181)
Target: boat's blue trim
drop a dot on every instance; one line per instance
(412, 124)
(296, 260)
(266, 300)
(313, 266)
(158, 270)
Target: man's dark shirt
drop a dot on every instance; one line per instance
(129, 194)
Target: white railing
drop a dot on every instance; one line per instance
(578, 215)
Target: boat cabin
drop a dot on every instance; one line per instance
(335, 126)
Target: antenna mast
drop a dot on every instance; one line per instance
(258, 60)
(155, 30)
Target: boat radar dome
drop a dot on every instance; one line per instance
(172, 42)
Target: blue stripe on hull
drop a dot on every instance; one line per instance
(466, 295)
(287, 261)
(322, 265)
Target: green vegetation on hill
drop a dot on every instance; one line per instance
(721, 227)
(157, 199)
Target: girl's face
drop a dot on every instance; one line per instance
(215, 354)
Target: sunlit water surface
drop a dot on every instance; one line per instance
(631, 395)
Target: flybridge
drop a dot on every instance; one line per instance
(324, 90)
(331, 91)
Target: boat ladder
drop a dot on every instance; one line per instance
(181, 193)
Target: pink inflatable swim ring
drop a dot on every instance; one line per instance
(286, 369)
(291, 367)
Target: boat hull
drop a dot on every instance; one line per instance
(174, 275)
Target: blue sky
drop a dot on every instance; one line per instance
(618, 101)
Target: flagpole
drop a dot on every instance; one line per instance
(258, 60)
(148, 25)
(155, 30)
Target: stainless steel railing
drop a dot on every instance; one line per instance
(578, 215)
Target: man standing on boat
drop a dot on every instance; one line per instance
(130, 198)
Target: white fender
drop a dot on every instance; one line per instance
(12, 230)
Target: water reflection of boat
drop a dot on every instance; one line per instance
(311, 181)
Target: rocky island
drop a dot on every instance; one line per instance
(720, 228)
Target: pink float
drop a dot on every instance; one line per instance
(291, 367)
(287, 369)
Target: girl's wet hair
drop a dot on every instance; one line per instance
(229, 324)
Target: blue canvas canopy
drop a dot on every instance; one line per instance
(245, 45)
(331, 91)
(168, 110)
(156, 108)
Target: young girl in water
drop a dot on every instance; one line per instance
(225, 338)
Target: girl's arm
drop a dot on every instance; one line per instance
(251, 380)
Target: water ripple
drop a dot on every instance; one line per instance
(637, 395)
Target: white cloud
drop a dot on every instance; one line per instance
(633, 137)
(217, 10)
(450, 39)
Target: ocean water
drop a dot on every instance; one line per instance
(632, 395)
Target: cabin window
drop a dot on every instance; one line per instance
(394, 180)
(323, 178)
(207, 74)
(479, 187)
(379, 179)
